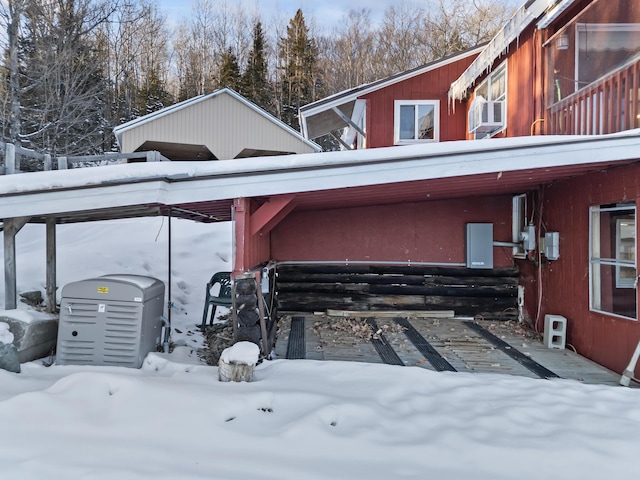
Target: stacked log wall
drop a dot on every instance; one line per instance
(468, 292)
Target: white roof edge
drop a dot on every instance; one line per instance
(521, 19)
(186, 103)
(345, 97)
(554, 13)
(169, 183)
(172, 183)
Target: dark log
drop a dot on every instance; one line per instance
(323, 287)
(291, 277)
(396, 270)
(471, 291)
(469, 281)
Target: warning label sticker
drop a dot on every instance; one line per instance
(103, 289)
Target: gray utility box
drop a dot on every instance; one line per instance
(479, 245)
(110, 320)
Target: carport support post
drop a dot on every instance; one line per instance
(51, 265)
(11, 227)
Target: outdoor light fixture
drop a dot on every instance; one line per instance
(562, 43)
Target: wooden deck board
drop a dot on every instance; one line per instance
(463, 348)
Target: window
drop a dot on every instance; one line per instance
(416, 121)
(602, 47)
(487, 110)
(613, 259)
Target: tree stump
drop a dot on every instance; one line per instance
(238, 362)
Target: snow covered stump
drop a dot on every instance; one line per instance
(238, 362)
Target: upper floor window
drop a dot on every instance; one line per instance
(487, 110)
(602, 47)
(416, 121)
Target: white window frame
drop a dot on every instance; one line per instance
(595, 260)
(396, 121)
(488, 82)
(519, 221)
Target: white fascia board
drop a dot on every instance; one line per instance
(497, 46)
(325, 171)
(554, 13)
(353, 94)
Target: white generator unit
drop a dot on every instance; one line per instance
(110, 320)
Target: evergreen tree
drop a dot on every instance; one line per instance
(153, 95)
(300, 83)
(255, 85)
(229, 71)
(62, 105)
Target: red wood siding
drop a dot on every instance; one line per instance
(605, 339)
(418, 232)
(522, 71)
(433, 85)
(250, 250)
(523, 83)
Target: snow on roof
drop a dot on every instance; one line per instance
(174, 183)
(120, 129)
(498, 45)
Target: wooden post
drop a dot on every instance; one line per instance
(47, 162)
(51, 265)
(10, 159)
(11, 227)
(241, 230)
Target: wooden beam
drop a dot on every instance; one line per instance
(241, 221)
(11, 226)
(271, 213)
(51, 265)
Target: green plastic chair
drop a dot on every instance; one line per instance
(212, 300)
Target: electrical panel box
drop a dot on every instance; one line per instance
(552, 245)
(110, 320)
(479, 245)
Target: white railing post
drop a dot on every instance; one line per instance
(10, 158)
(62, 163)
(47, 162)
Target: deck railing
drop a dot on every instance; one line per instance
(12, 159)
(607, 106)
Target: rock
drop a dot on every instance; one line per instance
(35, 333)
(33, 298)
(9, 358)
(249, 334)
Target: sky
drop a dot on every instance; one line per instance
(325, 13)
(299, 419)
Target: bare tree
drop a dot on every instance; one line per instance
(399, 46)
(456, 25)
(347, 56)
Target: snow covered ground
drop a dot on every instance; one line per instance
(300, 419)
